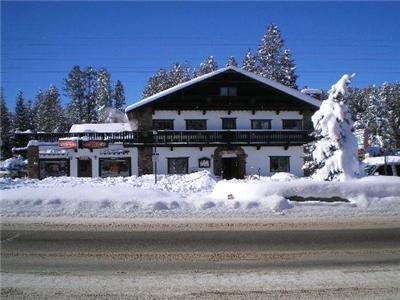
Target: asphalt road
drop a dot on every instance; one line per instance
(201, 264)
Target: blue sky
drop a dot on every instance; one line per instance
(41, 41)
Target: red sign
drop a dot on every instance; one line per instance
(67, 144)
(94, 144)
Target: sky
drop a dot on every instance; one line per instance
(41, 41)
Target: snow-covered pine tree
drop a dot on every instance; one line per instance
(249, 62)
(90, 84)
(269, 53)
(390, 96)
(335, 153)
(119, 95)
(21, 121)
(177, 74)
(231, 62)
(48, 111)
(30, 114)
(287, 72)
(74, 86)
(5, 128)
(103, 95)
(157, 83)
(209, 65)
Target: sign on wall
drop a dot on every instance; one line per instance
(94, 144)
(204, 162)
(67, 144)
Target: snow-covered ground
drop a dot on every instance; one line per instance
(196, 195)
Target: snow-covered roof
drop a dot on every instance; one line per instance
(380, 160)
(311, 91)
(268, 82)
(103, 127)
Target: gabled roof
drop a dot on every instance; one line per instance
(276, 85)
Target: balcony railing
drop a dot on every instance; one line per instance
(160, 138)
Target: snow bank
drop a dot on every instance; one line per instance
(14, 163)
(196, 195)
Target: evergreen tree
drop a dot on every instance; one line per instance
(335, 152)
(74, 86)
(249, 62)
(231, 62)
(390, 96)
(6, 128)
(30, 115)
(209, 65)
(157, 83)
(119, 95)
(21, 114)
(178, 74)
(103, 95)
(269, 53)
(90, 84)
(287, 72)
(48, 111)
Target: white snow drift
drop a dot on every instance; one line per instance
(195, 195)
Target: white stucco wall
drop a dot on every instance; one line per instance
(194, 154)
(94, 156)
(255, 158)
(260, 159)
(214, 122)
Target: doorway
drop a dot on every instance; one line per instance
(84, 167)
(230, 167)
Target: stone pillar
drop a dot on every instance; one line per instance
(33, 161)
(145, 162)
(307, 123)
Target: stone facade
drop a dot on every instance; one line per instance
(145, 162)
(141, 119)
(33, 161)
(235, 150)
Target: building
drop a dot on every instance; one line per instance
(230, 121)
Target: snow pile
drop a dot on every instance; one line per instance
(335, 153)
(14, 163)
(196, 195)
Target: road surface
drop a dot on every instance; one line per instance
(355, 263)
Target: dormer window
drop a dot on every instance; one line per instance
(228, 91)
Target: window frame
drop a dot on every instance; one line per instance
(49, 160)
(169, 160)
(229, 91)
(269, 122)
(224, 119)
(279, 157)
(300, 121)
(163, 120)
(103, 159)
(190, 120)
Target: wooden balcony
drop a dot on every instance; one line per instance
(182, 138)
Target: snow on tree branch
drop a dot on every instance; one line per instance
(335, 153)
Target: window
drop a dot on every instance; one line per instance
(163, 124)
(196, 124)
(260, 124)
(292, 124)
(178, 165)
(113, 167)
(279, 164)
(228, 91)
(228, 123)
(53, 168)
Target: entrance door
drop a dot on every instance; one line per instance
(84, 168)
(230, 167)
